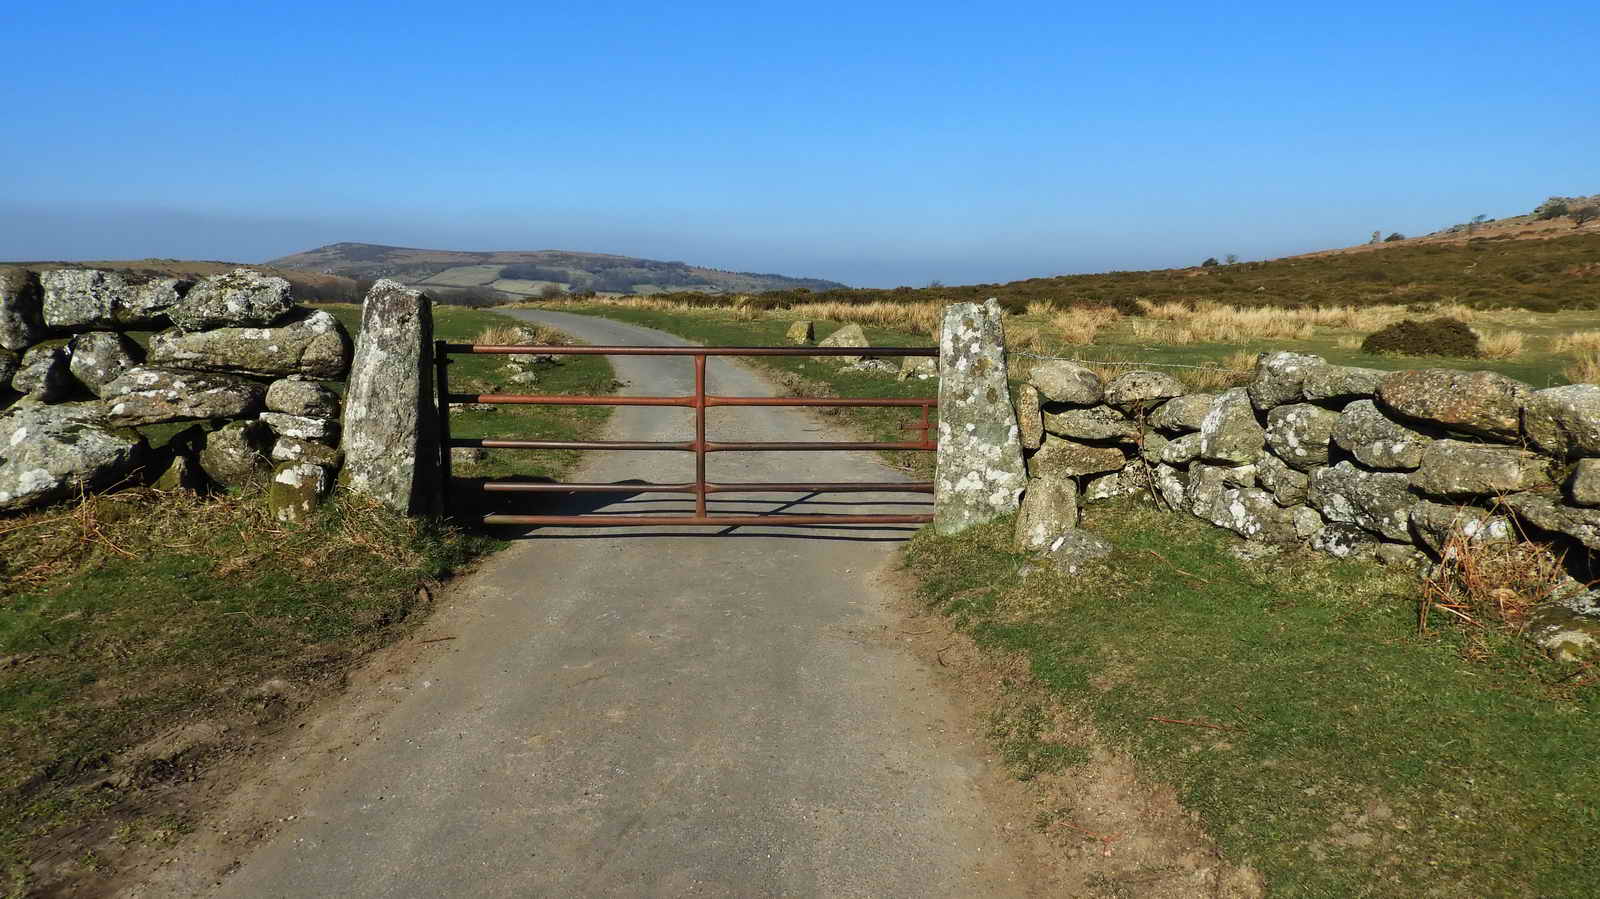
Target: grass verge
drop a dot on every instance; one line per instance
(1294, 707)
(146, 637)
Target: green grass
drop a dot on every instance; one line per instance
(1359, 759)
(125, 617)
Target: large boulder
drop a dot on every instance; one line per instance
(100, 357)
(1208, 485)
(242, 298)
(1172, 485)
(847, 336)
(1546, 514)
(21, 309)
(1183, 414)
(1060, 458)
(9, 363)
(1435, 524)
(1132, 479)
(1141, 390)
(1090, 423)
(1181, 450)
(295, 449)
(51, 453)
(1300, 433)
(1253, 514)
(1378, 501)
(1049, 509)
(314, 345)
(979, 471)
(89, 299)
(1030, 420)
(149, 395)
(1452, 468)
(1061, 381)
(1345, 541)
(1568, 629)
(44, 373)
(296, 490)
(1583, 487)
(1472, 402)
(801, 333)
(1151, 445)
(1230, 432)
(182, 473)
(303, 398)
(1069, 552)
(1280, 378)
(1564, 421)
(1376, 440)
(302, 427)
(390, 421)
(1340, 383)
(236, 454)
(1288, 486)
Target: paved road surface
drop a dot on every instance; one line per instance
(653, 712)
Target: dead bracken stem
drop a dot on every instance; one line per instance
(1485, 584)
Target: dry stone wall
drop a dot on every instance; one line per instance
(1356, 462)
(253, 372)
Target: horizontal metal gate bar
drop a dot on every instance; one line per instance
(700, 401)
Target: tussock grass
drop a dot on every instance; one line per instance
(1585, 369)
(1078, 327)
(1502, 344)
(506, 334)
(1577, 342)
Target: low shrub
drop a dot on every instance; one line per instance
(1437, 337)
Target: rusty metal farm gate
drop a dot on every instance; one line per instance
(699, 401)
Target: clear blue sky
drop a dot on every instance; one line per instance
(877, 145)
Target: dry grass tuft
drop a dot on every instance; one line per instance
(1025, 338)
(520, 335)
(1578, 342)
(1209, 322)
(1078, 327)
(1502, 345)
(1584, 370)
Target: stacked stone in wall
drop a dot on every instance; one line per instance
(1355, 462)
(233, 353)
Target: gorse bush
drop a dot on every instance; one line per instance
(1438, 337)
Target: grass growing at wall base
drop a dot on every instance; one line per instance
(143, 635)
(1350, 757)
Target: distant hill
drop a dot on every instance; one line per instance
(534, 273)
(308, 285)
(1540, 266)
(1551, 219)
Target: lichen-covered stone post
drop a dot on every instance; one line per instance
(980, 472)
(390, 419)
